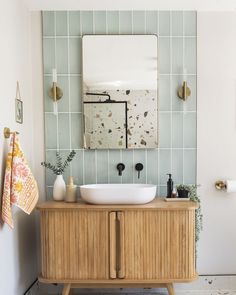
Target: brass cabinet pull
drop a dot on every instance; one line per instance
(120, 249)
(116, 230)
(112, 246)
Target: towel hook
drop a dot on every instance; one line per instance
(7, 132)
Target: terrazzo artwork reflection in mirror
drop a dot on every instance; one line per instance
(123, 68)
(105, 124)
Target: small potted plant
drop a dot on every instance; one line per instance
(59, 187)
(183, 191)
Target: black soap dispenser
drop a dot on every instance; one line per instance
(170, 185)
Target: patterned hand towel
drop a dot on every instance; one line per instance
(20, 187)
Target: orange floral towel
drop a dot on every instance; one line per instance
(20, 187)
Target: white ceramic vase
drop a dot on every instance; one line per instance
(59, 189)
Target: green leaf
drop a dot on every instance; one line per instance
(59, 168)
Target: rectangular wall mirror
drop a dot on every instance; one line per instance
(120, 97)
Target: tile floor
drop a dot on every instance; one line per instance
(56, 290)
(148, 293)
(205, 285)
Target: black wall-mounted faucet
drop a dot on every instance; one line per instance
(139, 167)
(120, 167)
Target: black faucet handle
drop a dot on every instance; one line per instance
(120, 167)
(139, 167)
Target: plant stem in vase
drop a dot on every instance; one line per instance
(59, 188)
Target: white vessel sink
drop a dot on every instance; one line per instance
(118, 193)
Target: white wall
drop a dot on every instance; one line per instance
(37, 99)
(38, 114)
(217, 139)
(18, 254)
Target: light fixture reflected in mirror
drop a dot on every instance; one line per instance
(184, 91)
(55, 92)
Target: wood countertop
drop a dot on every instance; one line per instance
(157, 203)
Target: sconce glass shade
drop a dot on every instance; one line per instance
(55, 92)
(55, 109)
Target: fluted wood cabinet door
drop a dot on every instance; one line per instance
(158, 245)
(74, 244)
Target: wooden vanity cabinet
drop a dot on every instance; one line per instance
(158, 245)
(75, 244)
(147, 245)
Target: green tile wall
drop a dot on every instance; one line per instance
(62, 32)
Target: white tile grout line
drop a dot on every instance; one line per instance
(132, 29)
(145, 21)
(132, 21)
(81, 93)
(161, 148)
(79, 37)
(108, 167)
(69, 93)
(196, 117)
(93, 22)
(146, 163)
(108, 153)
(106, 28)
(80, 24)
(96, 166)
(121, 152)
(146, 168)
(133, 164)
(95, 152)
(55, 52)
(159, 185)
(119, 22)
(165, 112)
(63, 75)
(171, 114)
(79, 75)
(121, 178)
(158, 150)
(83, 167)
(64, 112)
(177, 111)
(183, 101)
(177, 74)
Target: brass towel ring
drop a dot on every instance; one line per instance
(7, 132)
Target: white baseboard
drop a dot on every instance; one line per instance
(205, 285)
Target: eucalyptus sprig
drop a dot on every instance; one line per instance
(60, 167)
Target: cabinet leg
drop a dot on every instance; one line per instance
(170, 289)
(66, 289)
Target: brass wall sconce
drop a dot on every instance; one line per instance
(55, 92)
(184, 91)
